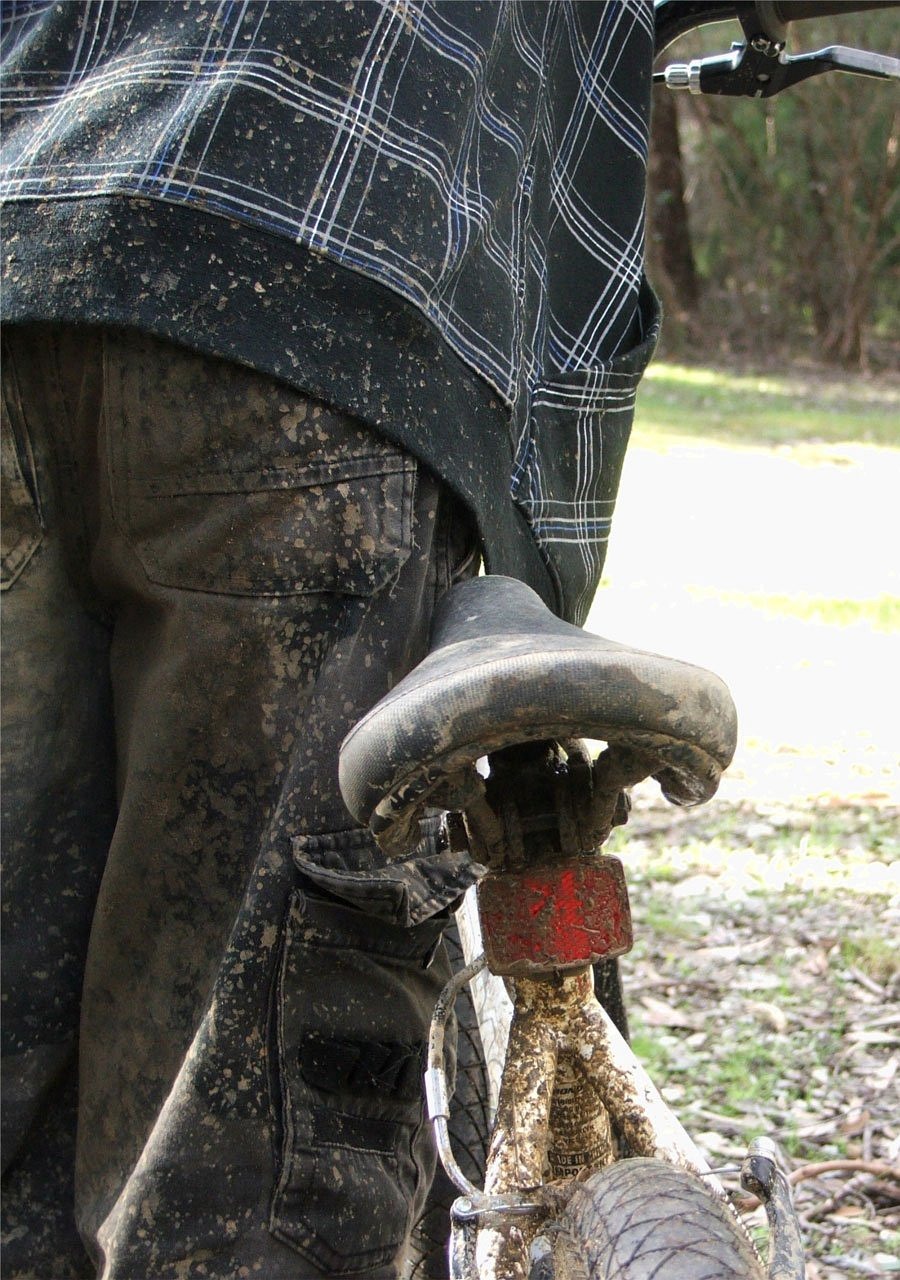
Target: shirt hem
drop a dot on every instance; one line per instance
(214, 286)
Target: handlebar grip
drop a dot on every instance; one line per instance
(797, 10)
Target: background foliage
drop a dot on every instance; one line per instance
(774, 226)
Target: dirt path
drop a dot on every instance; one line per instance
(697, 528)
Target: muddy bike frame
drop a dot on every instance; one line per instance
(572, 1090)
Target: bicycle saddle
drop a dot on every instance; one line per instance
(503, 670)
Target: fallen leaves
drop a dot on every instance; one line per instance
(659, 1014)
(765, 1005)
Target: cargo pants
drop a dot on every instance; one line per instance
(216, 991)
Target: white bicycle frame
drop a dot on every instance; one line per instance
(562, 1077)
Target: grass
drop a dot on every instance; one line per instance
(678, 401)
(806, 849)
(765, 975)
(876, 956)
(749, 924)
(881, 613)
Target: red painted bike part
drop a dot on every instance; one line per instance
(556, 916)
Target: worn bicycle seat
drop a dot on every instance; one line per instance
(503, 670)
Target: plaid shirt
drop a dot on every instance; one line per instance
(479, 166)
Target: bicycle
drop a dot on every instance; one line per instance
(519, 686)
(588, 1173)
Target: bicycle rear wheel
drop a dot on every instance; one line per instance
(643, 1219)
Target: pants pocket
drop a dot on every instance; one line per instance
(353, 1005)
(21, 532)
(227, 481)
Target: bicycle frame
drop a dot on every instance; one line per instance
(570, 1080)
(572, 1090)
(570, 1084)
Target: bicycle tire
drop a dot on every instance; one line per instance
(642, 1219)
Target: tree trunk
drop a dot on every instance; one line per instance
(670, 253)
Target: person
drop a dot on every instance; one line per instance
(308, 309)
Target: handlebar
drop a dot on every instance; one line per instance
(675, 17)
(760, 67)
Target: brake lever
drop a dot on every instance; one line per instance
(761, 68)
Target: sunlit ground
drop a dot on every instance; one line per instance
(757, 534)
(802, 406)
(778, 567)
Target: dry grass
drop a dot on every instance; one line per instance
(765, 998)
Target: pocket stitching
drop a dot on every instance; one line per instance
(306, 1241)
(333, 473)
(375, 571)
(18, 554)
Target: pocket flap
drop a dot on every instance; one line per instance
(349, 865)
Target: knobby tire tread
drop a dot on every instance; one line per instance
(645, 1220)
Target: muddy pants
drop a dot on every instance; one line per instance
(215, 992)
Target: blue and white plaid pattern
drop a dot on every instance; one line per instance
(484, 160)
